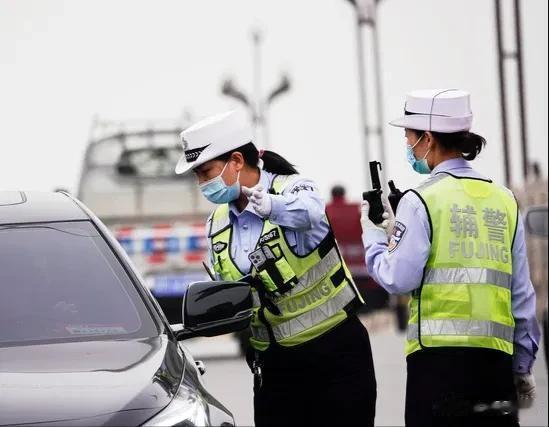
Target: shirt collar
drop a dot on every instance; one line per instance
(265, 179)
(451, 164)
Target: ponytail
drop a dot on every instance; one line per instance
(468, 143)
(275, 163)
(272, 162)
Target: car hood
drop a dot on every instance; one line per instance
(83, 383)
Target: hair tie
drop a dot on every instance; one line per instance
(261, 151)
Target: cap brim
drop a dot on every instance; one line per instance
(412, 121)
(183, 167)
(434, 123)
(400, 122)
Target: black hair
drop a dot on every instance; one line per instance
(272, 162)
(468, 143)
(338, 191)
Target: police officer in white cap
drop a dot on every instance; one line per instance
(457, 245)
(310, 354)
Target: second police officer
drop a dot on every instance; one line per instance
(310, 354)
(458, 247)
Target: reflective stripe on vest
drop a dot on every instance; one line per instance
(465, 297)
(315, 316)
(313, 275)
(453, 327)
(467, 276)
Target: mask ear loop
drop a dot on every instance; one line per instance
(418, 141)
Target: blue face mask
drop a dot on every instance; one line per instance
(216, 191)
(420, 166)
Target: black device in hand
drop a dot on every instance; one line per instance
(373, 197)
(394, 196)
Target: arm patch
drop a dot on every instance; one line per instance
(302, 187)
(396, 237)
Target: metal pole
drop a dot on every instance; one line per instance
(362, 89)
(379, 95)
(503, 95)
(522, 102)
(257, 104)
(265, 143)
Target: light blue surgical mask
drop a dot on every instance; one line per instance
(216, 191)
(420, 166)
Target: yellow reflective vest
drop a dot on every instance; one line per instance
(465, 296)
(301, 296)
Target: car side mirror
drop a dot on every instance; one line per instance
(215, 308)
(536, 221)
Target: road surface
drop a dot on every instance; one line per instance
(229, 379)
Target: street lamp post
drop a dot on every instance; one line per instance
(258, 106)
(515, 55)
(366, 16)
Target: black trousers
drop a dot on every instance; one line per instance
(329, 381)
(458, 387)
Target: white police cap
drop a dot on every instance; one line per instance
(212, 137)
(442, 110)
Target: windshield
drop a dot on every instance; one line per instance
(61, 282)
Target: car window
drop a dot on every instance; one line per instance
(61, 282)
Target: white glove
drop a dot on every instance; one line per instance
(526, 389)
(365, 221)
(261, 201)
(388, 218)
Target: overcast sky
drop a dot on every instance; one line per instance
(61, 62)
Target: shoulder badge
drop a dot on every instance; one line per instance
(396, 237)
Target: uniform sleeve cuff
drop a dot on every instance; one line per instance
(373, 235)
(522, 364)
(278, 205)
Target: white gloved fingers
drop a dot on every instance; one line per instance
(247, 191)
(525, 383)
(385, 215)
(250, 191)
(526, 401)
(385, 224)
(365, 208)
(261, 202)
(257, 198)
(387, 206)
(369, 229)
(526, 389)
